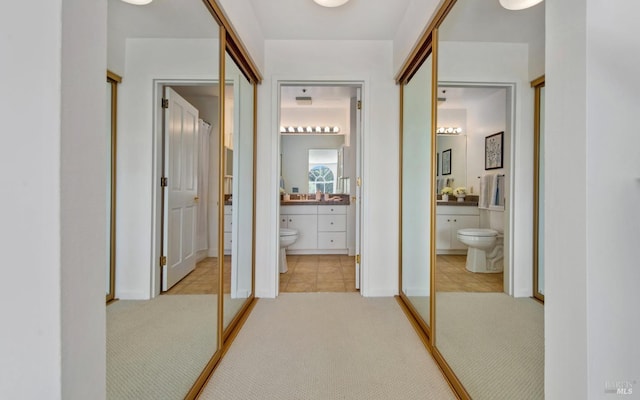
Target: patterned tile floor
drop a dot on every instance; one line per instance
(452, 276)
(319, 273)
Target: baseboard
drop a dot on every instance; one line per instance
(132, 296)
(318, 252)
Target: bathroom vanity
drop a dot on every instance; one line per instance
(321, 226)
(450, 217)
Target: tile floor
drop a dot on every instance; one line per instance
(319, 273)
(452, 276)
(204, 279)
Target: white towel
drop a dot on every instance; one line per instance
(494, 190)
(484, 200)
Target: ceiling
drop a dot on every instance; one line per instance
(458, 97)
(322, 96)
(305, 20)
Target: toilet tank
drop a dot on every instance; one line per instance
(492, 219)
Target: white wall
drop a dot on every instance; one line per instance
(592, 323)
(246, 25)
(367, 61)
(138, 152)
(506, 63)
(415, 21)
(486, 118)
(52, 232)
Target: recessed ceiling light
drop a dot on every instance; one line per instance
(138, 2)
(518, 4)
(331, 3)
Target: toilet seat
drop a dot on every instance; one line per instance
(288, 232)
(478, 232)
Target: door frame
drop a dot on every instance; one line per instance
(361, 158)
(157, 160)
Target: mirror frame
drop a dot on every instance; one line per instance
(537, 84)
(426, 50)
(113, 79)
(229, 41)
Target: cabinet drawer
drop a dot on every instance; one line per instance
(332, 223)
(332, 240)
(332, 210)
(227, 241)
(299, 210)
(228, 223)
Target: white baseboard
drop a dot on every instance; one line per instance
(318, 252)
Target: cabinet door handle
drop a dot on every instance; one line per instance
(332, 223)
(331, 240)
(448, 220)
(290, 220)
(455, 220)
(332, 210)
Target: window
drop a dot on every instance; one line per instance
(321, 179)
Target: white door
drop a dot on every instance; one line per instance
(180, 205)
(358, 185)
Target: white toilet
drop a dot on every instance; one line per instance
(486, 244)
(485, 253)
(287, 238)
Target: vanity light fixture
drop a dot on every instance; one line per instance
(309, 129)
(518, 4)
(138, 2)
(449, 130)
(331, 3)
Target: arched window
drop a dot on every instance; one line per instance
(320, 178)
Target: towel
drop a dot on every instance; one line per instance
(494, 191)
(484, 199)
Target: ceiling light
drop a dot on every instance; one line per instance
(518, 4)
(138, 2)
(331, 3)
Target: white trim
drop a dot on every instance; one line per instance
(277, 83)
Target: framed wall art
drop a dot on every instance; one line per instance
(493, 145)
(446, 162)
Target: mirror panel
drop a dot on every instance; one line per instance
(158, 348)
(416, 182)
(239, 194)
(483, 333)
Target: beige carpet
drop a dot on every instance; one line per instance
(327, 346)
(157, 348)
(493, 342)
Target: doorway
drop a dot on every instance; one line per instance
(319, 169)
(201, 98)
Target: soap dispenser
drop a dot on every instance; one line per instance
(318, 195)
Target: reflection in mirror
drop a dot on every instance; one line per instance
(491, 340)
(457, 176)
(323, 170)
(539, 190)
(158, 348)
(416, 139)
(239, 187)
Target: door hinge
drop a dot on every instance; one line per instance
(163, 261)
(165, 103)
(359, 105)
(359, 182)
(357, 258)
(164, 182)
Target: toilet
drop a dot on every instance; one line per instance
(485, 253)
(287, 238)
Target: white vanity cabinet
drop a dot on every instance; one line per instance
(304, 219)
(448, 220)
(332, 227)
(322, 229)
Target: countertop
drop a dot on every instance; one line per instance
(457, 203)
(315, 203)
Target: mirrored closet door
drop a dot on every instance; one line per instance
(416, 191)
(111, 142)
(538, 189)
